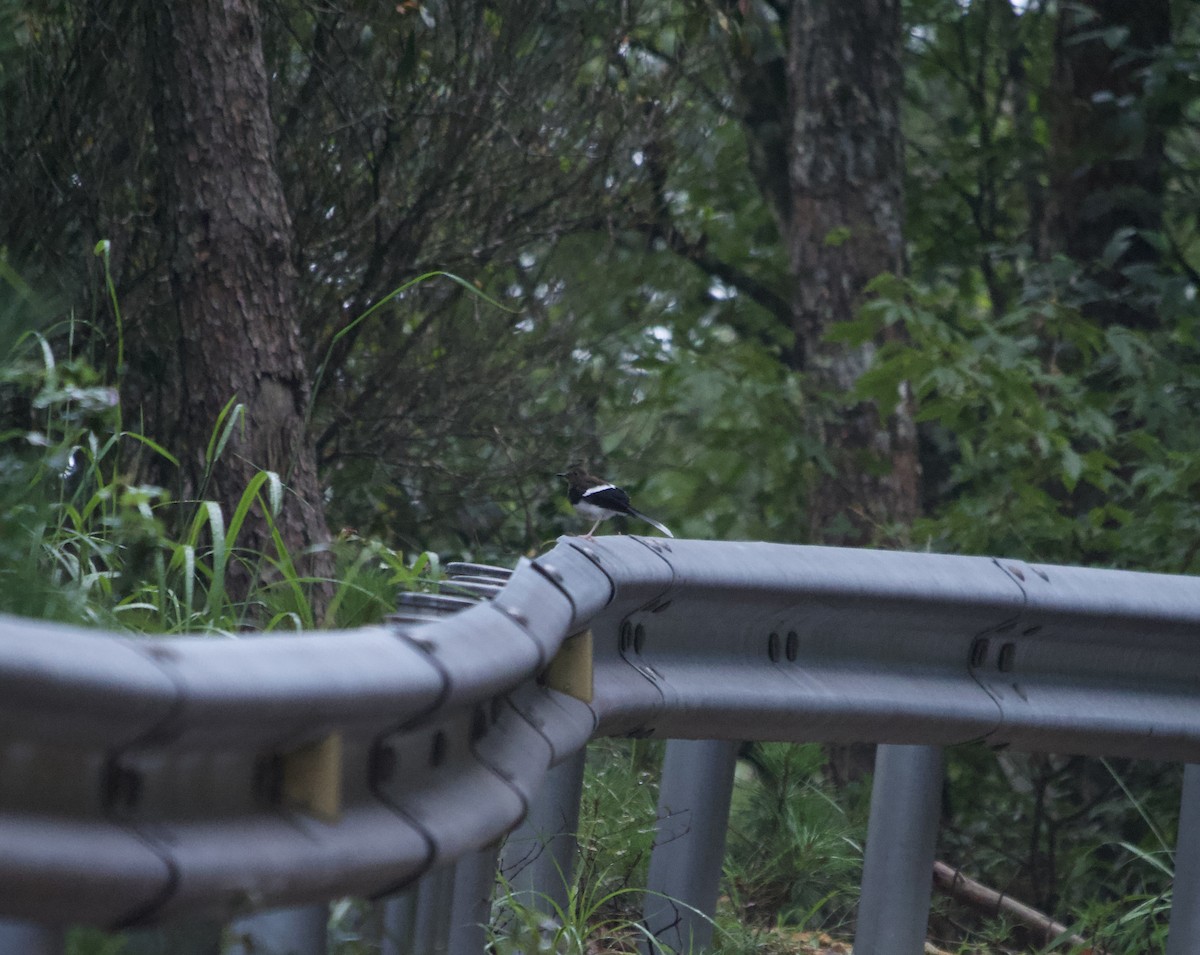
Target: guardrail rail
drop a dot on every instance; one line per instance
(144, 780)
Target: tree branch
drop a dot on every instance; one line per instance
(952, 882)
(697, 253)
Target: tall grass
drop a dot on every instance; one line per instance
(85, 541)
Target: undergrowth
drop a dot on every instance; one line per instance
(84, 541)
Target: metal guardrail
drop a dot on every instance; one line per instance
(153, 779)
(766, 641)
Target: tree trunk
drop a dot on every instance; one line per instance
(231, 272)
(844, 227)
(1107, 150)
(819, 95)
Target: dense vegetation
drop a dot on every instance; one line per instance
(502, 237)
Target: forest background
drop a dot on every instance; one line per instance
(293, 289)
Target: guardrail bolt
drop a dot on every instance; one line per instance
(437, 751)
(626, 638)
(639, 638)
(383, 765)
(121, 787)
(162, 654)
(1008, 654)
(979, 652)
(268, 779)
(479, 724)
(773, 647)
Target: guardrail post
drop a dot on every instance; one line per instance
(470, 911)
(897, 880)
(538, 858)
(297, 931)
(29, 938)
(689, 847)
(1183, 936)
(397, 917)
(422, 924)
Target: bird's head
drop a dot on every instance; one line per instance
(574, 472)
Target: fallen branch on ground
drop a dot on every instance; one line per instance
(953, 883)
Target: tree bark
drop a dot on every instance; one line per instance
(1107, 149)
(232, 277)
(819, 89)
(844, 227)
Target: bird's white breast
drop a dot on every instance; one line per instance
(593, 512)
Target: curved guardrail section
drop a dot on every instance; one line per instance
(709, 640)
(145, 779)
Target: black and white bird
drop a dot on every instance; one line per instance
(595, 498)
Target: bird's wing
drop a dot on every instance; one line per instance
(607, 496)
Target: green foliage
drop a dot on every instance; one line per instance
(352, 928)
(84, 542)
(617, 814)
(53, 491)
(1132, 914)
(81, 941)
(607, 921)
(793, 855)
(696, 407)
(1083, 840)
(977, 140)
(676, 389)
(1063, 441)
(794, 851)
(616, 833)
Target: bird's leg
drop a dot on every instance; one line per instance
(588, 535)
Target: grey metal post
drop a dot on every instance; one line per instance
(298, 931)
(538, 859)
(689, 847)
(470, 912)
(1183, 935)
(28, 938)
(398, 920)
(897, 880)
(428, 933)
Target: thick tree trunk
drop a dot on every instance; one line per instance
(1107, 150)
(843, 228)
(819, 93)
(232, 277)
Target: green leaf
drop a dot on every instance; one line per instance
(837, 236)
(1072, 465)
